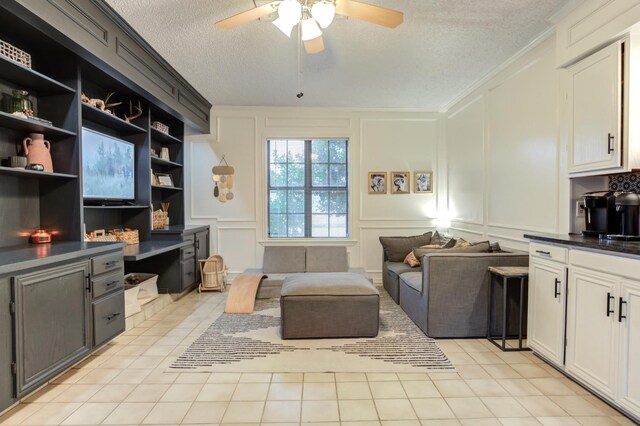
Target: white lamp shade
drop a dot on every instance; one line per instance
(290, 12)
(310, 29)
(323, 12)
(285, 26)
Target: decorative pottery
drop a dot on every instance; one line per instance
(37, 151)
(18, 162)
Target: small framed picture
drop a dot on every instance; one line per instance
(400, 182)
(164, 179)
(377, 182)
(424, 182)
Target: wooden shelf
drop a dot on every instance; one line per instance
(15, 122)
(116, 207)
(170, 188)
(30, 80)
(34, 174)
(98, 116)
(167, 163)
(158, 136)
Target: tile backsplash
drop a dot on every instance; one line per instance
(625, 182)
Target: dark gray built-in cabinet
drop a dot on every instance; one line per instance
(65, 299)
(52, 322)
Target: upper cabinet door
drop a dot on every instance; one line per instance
(595, 96)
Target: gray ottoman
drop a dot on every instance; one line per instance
(329, 304)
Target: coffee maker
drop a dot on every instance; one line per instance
(600, 214)
(628, 216)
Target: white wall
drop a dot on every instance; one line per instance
(504, 153)
(498, 157)
(378, 141)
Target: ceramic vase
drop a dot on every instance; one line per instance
(37, 151)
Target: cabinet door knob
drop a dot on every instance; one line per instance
(610, 144)
(609, 310)
(620, 316)
(556, 288)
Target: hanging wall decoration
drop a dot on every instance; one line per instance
(223, 180)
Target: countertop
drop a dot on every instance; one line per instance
(181, 229)
(577, 240)
(19, 258)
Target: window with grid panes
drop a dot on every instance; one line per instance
(308, 188)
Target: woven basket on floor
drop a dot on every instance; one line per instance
(213, 273)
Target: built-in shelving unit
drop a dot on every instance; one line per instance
(163, 138)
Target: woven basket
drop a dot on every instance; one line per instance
(160, 127)
(159, 219)
(13, 53)
(105, 238)
(129, 237)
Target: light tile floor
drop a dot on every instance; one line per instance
(125, 384)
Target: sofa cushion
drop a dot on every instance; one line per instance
(327, 284)
(413, 280)
(399, 268)
(397, 248)
(326, 259)
(283, 259)
(482, 247)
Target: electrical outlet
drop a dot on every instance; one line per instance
(580, 208)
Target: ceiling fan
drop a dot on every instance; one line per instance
(313, 14)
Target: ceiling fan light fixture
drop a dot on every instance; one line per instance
(310, 29)
(323, 11)
(284, 26)
(289, 12)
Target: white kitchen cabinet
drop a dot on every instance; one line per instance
(628, 318)
(546, 312)
(595, 97)
(591, 340)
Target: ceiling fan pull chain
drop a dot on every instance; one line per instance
(300, 93)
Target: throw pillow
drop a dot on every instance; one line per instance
(412, 261)
(449, 244)
(495, 248)
(462, 243)
(396, 248)
(436, 238)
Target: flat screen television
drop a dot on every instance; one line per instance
(108, 166)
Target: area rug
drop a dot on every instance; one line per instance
(251, 343)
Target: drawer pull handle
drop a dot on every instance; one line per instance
(112, 283)
(111, 263)
(609, 142)
(546, 253)
(112, 316)
(609, 310)
(556, 289)
(189, 273)
(620, 316)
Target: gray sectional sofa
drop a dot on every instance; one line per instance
(279, 262)
(449, 297)
(448, 294)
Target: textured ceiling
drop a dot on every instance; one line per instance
(442, 48)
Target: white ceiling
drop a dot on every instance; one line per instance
(441, 49)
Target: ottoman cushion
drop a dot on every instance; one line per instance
(340, 304)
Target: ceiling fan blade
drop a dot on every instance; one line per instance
(315, 45)
(366, 12)
(249, 15)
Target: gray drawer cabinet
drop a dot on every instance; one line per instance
(189, 270)
(52, 322)
(107, 295)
